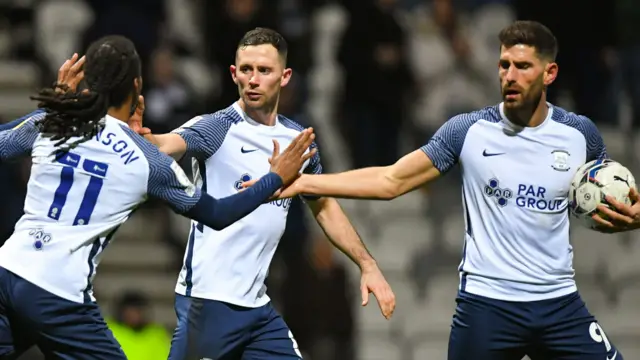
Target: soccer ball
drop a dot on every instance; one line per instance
(595, 180)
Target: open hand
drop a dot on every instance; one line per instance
(288, 163)
(623, 218)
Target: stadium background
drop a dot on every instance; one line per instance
(375, 78)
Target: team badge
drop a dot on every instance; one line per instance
(560, 160)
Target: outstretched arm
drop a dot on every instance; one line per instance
(439, 155)
(199, 137)
(17, 122)
(381, 183)
(19, 140)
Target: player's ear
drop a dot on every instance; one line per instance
(550, 73)
(286, 77)
(232, 70)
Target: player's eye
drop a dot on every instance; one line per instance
(505, 65)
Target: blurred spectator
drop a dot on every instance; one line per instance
(454, 50)
(169, 101)
(139, 20)
(318, 304)
(139, 337)
(17, 20)
(226, 21)
(13, 185)
(13, 181)
(627, 61)
(585, 52)
(295, 25)
(377, 80)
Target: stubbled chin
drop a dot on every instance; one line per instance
(511, 102)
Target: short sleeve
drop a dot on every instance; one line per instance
(445, 146)
(167, 181)
(315, 165)
(596, 150)
(204, 134)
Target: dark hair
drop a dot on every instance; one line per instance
(262, 36)
(533, 34)
(129, 299)
(111, 66)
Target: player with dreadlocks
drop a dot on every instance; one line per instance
(81, 114)
(90, 171)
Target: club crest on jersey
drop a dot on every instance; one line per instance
(244, 178)
(281, 203)
(40, 238)
(560, 160)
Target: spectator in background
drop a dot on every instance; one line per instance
(13, 181)
(377, 81)
(226, 21)
(586, 38)
(138, 20)
(318, 304)
(139, 337)
(13, 184)
(169, 101)
(627, 20)
(452, 52)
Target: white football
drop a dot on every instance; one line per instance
(595, 180)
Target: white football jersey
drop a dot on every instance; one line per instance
(228, 148)
(77, 200)
(515, 195)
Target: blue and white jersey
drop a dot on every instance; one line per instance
(515, 193)
(227, 148)
(76, 201)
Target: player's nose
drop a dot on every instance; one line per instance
(254, 80)
(511, 74)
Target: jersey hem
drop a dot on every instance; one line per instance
(520, 297)
(226, 299)
(53, 290)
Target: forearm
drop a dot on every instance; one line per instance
(367, 183)
(170, 144)
(217, 214)
(382, 183)
(340, 231)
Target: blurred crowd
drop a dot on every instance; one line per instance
(381, 74)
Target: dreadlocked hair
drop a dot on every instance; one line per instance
(111, 66)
